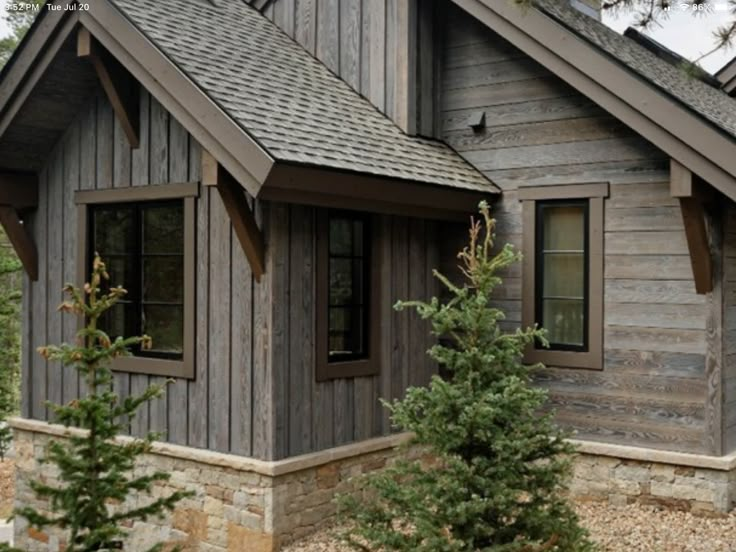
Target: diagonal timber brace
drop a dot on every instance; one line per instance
(121, 89)
(693, 211)
(20, 239)
(241, 216)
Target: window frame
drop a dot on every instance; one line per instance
(188, 193)
(357, 367)
(594, 194)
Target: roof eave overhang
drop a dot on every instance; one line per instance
(331, 188)
(705, 150)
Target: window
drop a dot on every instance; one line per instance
(347, 292)
(562, 275)
(143, 247)
(146, 237)
(562, 288)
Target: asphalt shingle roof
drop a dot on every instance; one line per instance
(711, 103)
(289, 102)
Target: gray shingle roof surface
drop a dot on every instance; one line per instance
(711, 103)
(289, 102)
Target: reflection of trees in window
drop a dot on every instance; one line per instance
(143, 246)
(348, 287)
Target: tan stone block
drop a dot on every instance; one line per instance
(191, 522)
(663, 473)
(240, 539)
(328, 475)
(634, 472)
(37, 535)
(213, 506)
(684, 471)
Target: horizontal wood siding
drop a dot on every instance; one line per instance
(653, 390)
(216, 409)
(315, 415)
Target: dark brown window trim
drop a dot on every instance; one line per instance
(591, 359)
(370, 366)
(184, 368)
(138, 193)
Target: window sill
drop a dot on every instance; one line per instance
(565, 359)
(153, 367)
(347, 369)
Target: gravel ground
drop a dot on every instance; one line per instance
(620, 529)
(7, 488)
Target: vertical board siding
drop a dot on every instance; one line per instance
(330, 413)
(54, 270)
(94, 154)
(381, 48)
(654, 390)
(729, 330)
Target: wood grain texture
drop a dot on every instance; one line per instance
(656, 384)
(54, 268)
(219, 326)
(177, 392)
(39, 303)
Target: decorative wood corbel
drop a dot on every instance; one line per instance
(683, 187)
(20, 239)
(19, 193)
(120, 87)
(241, 216)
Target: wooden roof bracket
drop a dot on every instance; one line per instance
(19, 194)
(119, 85)
(21, 240)
(693, 211)
(240, 213)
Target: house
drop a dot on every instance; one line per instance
(269, 177)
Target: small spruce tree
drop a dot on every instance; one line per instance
(96, 471)
(493, 475)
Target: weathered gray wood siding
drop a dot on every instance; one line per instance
(729, 330)
(653, 390)
(375, 47)
(222, 409)
(313, 416)
(255, 391)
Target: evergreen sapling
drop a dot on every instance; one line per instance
(493, 475)
(96, 471)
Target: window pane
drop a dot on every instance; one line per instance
(564, 227)
(119, 321)
(346, 331)
(163, 279)
(348, 291)
(564, 275)
(564, 321)
(562, 258)
(122, 273)
(163, 229)
(341, 282)
(358, 238)
(165, 325)
(341, 237)
(113, 231)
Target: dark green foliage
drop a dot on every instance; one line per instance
(10, 296)
(19, 22)
(95, 470)
(495, 467)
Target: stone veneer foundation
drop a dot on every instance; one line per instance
(239, 504)
(624, 475)
(242, 504)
